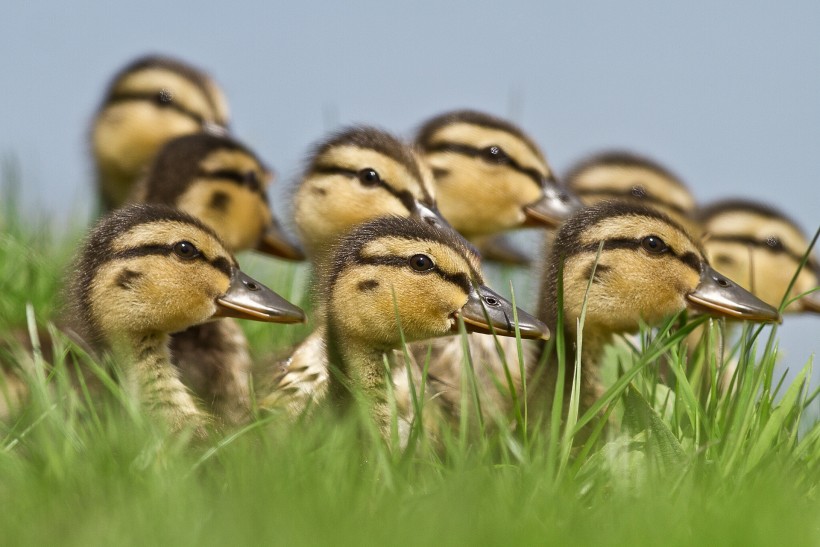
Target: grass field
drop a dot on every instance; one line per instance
(690, 464)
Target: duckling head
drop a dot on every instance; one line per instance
(359, 174)
(395, 276)
(625, 176)
(490, 176)
(148, 102)
(761, 248)
(149, 269)
(223, 183)
(649, 269)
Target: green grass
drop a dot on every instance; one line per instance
(689, 464)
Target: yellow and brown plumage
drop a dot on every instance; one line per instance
(761, 248)
(616, 175)
(358, 174)
(147, 103)
(222, 183)
(649, 269)
(146, 271)
(491, 177)
(391, 278)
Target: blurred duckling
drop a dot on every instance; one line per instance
(147, 271)
(397, 277)
(761, 248)
(490, 178)
(222, 183)
(625, 176)
(150, 101)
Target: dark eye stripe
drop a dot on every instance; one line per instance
(474, 152)
(690, 259)
(763, 244)
(461, 280)
(404, 196)
(237, 177)
(154, 97)
(220, 263)
(618, 193)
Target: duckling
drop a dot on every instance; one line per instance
(356, 175)
(625, 176)
(650, 268)
(150, 101)
(146, 271)
(491, 177)
(221, 182)
(510, 185)
(395, 276)
(761, 248)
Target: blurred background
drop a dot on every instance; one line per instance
(727, 96)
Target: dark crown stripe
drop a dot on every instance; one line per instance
(471, 117)
(218, 263)
(245, 180)
(773, 246)
(623, 193)
(156, 99)
(404, 196)
(460, 280)
(689, 259)
(473, 152)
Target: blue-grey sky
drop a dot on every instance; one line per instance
(727, 94)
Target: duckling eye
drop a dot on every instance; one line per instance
(186, 250)
(421, 263)
(494, 154)
(165, 96)
(638, 191)
(774, 242)
(251, 179)
(369, 177)
(654, 244)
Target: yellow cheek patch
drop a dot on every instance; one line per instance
(237, 214)
(155, 293)
(477, 136)
(428, 181)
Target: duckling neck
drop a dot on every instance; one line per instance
(593, 342)
(149, 372)
(357, 368)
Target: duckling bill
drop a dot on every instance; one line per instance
(249, 299)
(487, 312)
